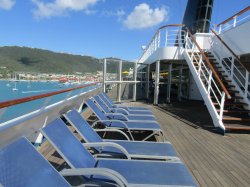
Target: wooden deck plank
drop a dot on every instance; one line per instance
(213, 159)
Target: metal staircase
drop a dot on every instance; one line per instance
(223, 83)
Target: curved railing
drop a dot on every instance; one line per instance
(12, 109)
(163, 37)
(40, 96)
(238, 18)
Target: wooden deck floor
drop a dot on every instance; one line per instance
(213, 159)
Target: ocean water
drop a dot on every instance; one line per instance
(10, 90)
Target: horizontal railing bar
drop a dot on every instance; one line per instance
(209, 65)
(40, 96)
(237, 14)
(123, 81)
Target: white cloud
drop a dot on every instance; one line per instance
(61, 7)
(144, 17)
(117, 12)
(7, 4)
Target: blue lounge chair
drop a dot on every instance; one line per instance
(113, 105)
(129, 126)
(130, 172)
(138, 117)
(123, 109)
(21, 165)
(133, 149)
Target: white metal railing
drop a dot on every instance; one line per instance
(29, 124)
(206, 76)
(235, 20)
(232, 66)
(165, 36)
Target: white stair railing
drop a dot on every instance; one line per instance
(235, 20)
(231, 65)
(206, 79)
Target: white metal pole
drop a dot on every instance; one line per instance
(169, 82)
(157, 73)
(147, 79)
(120, 79)
(180, 83)
(135, 78)
(104, 74)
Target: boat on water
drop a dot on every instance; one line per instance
(150, 143)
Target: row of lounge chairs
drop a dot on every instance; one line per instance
(98, 161)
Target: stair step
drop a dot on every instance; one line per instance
(234, 111)
(233, 91)
(235, 119)
(231, 104)
(237, 128)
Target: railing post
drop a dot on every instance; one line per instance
(209, 82)
(180, 83)
(246, 83)
(166, 40)
(232, 68)
(159, 40)
(147, 87)
(235, 21)
(222, 105)
(199, 64)
(169, 82)
(120, 80)
(157, 74)
(104, 74)
(220, 29)
(135, 79)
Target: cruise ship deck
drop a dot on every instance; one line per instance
(213, 160)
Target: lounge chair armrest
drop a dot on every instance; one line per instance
(113, 130)
(109, 144)
(111, 174)
(109, 122)
(120, 110)
(117, 116)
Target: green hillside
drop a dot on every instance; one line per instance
(38, 60)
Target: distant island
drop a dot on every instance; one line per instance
(24, 59)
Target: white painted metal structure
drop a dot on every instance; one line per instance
(182, 46)
(29, 125)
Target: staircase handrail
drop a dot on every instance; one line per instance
(233, 17)
(209, 65)
(234, 70)
(9, 103)
(229, 49)
(156, 35)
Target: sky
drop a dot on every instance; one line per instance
(99, 28)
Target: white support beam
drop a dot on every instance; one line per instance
(104, 74)
(180, 83)
(147, 79)
(120, 79)
(157, 75)
(169, 82)
(135, 78)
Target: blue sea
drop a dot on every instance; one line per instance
(12, 90)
